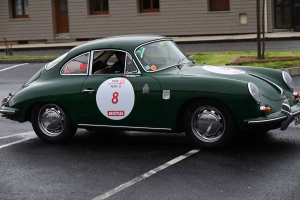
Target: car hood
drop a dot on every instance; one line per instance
(266, 87)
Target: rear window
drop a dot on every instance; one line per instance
(50, 65)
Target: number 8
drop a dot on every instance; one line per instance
(115, 99)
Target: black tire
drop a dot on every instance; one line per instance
(52, 123)
(209, 124)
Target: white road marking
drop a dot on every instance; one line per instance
(146, 175)
(1, 70)
(25, 136)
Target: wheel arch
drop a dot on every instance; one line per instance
(184, 106)
(31, 107)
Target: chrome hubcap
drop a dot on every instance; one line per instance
(208, 124)
(51, 120)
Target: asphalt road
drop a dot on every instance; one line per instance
(93, 163)
(288, 45)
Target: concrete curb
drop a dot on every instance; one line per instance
(292, 71)
(280, 36)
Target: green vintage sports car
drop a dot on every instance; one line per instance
(160, 89)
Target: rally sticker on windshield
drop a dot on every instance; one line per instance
(115, 98)
(223, 70)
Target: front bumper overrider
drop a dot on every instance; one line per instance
(4, 109)
(283, 117)
(8, 111)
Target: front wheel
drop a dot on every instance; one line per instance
(52, 123)
(209, 124)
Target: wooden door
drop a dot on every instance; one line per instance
(62, 16)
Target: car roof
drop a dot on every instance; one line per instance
(124, 42)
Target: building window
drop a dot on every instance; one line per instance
(148, 6)
(99, 7)
(283, 14)
(218, 5)
(20, 8)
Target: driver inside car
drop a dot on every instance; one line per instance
(118, 67)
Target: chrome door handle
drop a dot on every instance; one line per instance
(86, 90)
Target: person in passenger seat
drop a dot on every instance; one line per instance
(118, 67)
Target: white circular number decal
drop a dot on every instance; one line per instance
(222, 70)
(115, 98)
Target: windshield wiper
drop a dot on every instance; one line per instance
(180, 63)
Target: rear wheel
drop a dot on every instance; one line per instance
(52, 123)
(209, 124)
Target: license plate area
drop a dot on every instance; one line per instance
(297, 118)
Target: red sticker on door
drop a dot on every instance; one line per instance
(83, 67)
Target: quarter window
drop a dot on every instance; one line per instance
(20, 8)
(218, 5)
(130, 66)
(77, 65)
(99, 7)
(148, 6)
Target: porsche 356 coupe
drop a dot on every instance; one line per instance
(155, 87)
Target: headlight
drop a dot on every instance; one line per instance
(254, 92)
(288, 80)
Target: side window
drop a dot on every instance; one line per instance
(113, 62)
(130, 66)
(77, 65)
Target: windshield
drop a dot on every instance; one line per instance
(51, 64)
(160, 55)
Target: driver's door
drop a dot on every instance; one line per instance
(130, 100)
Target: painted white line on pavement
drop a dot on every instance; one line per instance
(26, 136)
(1, 70)
(146, 175)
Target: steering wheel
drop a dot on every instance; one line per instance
(98, 65)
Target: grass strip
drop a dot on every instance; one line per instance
(221, 58)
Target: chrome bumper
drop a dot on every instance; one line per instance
(7, 112)
(287, 116)
(286, 109)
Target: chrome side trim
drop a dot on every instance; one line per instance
(8, 112)
(129, 127)
(278, 87)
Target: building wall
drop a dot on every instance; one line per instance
(38, 26)
(176, 18)
(189, 17)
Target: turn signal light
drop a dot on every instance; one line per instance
(296, 94)
(265, 109)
